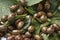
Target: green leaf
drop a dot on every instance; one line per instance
(30, 10)
(32, 2)
(56, 18)
(56, 22)
(45, 37)
(54, 37)
(37, 26)
(4, 7)
(53, 4)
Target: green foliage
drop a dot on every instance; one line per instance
(54, 4)
(56, 17)
(30, 10)
(54, 37)
(32, 2)
(4, 9)
(45, 37)
(4, 6)
(37, 26)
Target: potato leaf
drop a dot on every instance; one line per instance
(32, 2)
